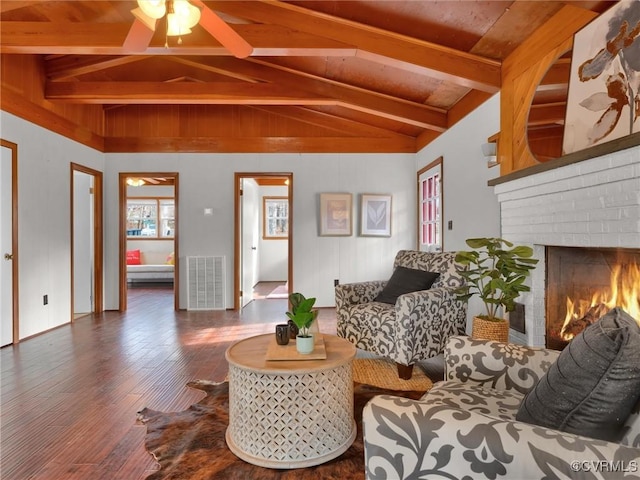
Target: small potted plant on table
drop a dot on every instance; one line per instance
(496, 273)
(303, 315)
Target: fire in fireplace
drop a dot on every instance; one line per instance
(585, 283)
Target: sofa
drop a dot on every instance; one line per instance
(149, 266)
(410, 316)
(465, 427)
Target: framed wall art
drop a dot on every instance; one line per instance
(604, 79)
(335, 214)
(375, 215)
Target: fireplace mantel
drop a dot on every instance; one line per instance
(623, 143)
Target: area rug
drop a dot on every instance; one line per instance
(190, 445)
(383, 373)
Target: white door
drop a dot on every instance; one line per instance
(83, 269)
(6, 262)
(249, 236)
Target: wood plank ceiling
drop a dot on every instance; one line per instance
(323, 76)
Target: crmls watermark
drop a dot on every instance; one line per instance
(605, 466)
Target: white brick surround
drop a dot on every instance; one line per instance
(592, 203)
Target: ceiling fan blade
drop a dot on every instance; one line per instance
(140, 33)
(222, 32)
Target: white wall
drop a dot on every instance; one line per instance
(467, 200)
(206, 180)
(44, 220)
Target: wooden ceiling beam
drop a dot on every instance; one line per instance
(223, 93)
(108, 39)
(376, 44)
(323, 120)
(346, 95)
(217, 93)
(260, 144)
(9, 5)
(67, 66)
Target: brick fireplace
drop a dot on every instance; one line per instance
(591, 206)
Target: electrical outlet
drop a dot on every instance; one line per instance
(336, 282)
(450, 225)
(45, 299)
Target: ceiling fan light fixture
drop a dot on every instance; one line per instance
(175, 27)
(188, 14)
(153, 8)
(135, 182)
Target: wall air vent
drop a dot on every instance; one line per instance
(205, 283)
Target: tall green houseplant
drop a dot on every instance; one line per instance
(495, 270)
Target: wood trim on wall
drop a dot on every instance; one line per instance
(122, 234)
(98, 255)
(437, 162)
(15, 295)
(238, 176)
(522, 72)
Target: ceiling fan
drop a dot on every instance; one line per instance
(181, 16)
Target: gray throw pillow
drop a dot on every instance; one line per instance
(594, 384)
(405, 280)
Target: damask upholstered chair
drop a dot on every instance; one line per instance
(412, 327)
(470, 426)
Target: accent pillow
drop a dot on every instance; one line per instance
(405, 280)
(170, 259)
(594, 384)
(133, 257)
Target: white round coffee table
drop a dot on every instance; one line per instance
(290, 413)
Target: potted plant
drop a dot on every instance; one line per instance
(302, 314)
(495, 270)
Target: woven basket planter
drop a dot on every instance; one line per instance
(488, 330)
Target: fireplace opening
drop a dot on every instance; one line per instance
(585, 283)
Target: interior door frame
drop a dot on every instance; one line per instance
(122, 235)
(237, 180)
(15, 294)
(98, 245)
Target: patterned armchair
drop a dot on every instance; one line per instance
(465, 426)
(418, 326)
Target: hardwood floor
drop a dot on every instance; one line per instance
(70, 396)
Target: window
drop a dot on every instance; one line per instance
(275, 218)
(430, 207)
(150, 218)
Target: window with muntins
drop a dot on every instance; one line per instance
(275, 217)
(150, 218)
(430, 208)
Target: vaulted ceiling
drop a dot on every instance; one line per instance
(349, 76)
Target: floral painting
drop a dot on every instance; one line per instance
(603, 102)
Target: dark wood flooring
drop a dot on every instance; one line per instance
(69, 397)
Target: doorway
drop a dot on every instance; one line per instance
(262, 201)
(86, 241)
(149, 252)
(9, 318)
